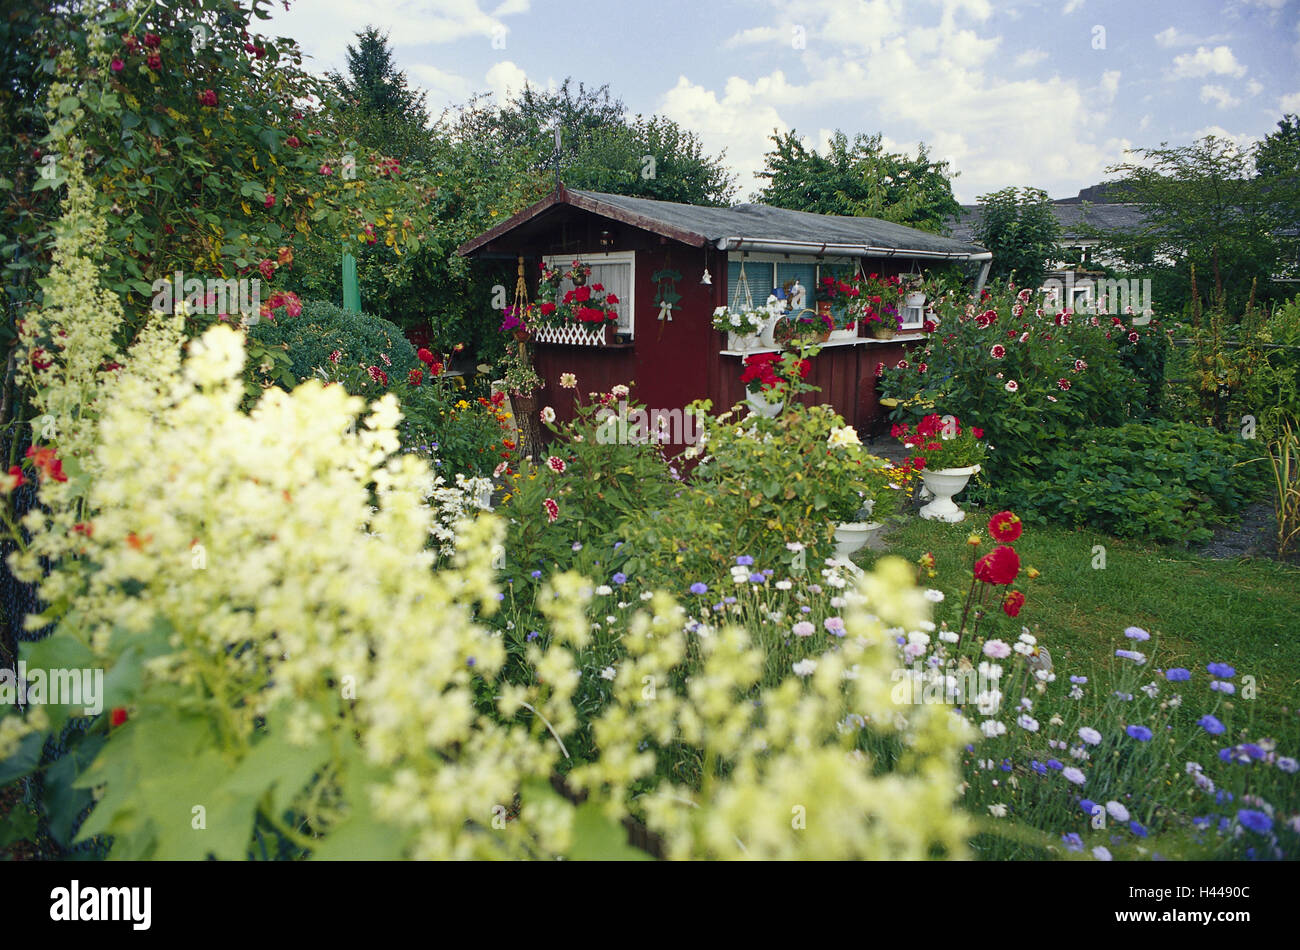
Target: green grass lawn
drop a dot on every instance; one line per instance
(1198, 610)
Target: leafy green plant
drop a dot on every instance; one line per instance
(1162, 481)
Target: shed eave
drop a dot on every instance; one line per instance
(769, 246)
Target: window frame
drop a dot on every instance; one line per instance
(607, 257)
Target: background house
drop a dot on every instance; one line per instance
(672, 264)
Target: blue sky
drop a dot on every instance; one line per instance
(1024, 92)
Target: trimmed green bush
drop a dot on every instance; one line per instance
(1168, 482)
(322, 328)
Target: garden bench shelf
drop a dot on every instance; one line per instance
(909, 338)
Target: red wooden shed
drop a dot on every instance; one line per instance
(673, 264)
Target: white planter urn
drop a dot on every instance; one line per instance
(761, 406)
(485, 498)
(742, 342)
(943, 484)
(851, 536)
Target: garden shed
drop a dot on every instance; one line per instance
(671, 265)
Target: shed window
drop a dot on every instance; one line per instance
(615, 272)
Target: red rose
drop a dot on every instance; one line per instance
(292, 141)
(1005, 527)
(116, 65)
(1012, 603)
(154, 62)
(267, 268)
(1000, 566)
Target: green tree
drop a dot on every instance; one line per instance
(859, 178)
(377, 106)
(1205, 206)
(1018, 226)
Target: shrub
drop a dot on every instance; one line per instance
(322, 328)
(1162, 481)
(1032, 377)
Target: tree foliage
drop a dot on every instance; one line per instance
(1207, 206)
(1018, 226)
(859, 178)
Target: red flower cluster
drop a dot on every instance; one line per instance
(378, 375)
(207, 98)
(45, 460)
(1005, 527)
(1000, 566)
(429, 360)
(763, 369)
(1012, 603)
(415, 377)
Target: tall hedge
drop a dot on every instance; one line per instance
(322, 328)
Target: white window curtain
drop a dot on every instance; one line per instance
(616, 277)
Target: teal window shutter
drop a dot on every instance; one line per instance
(758, 275)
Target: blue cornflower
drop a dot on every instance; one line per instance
(1255, 820)
(532, 635)
(728, 600)
(1221, 796)
(1219, 686)
(1137, 829)
(1087, 805)
(1211, 725)
(1252, 750)
(501, 596)
(1078, 680)
(1136, 633)
(1006, 765)
(536, 574)
(1140, 733)
(1221, 670)
(1178, 675)
(744, 560)
(1038, 767)
(617, 545)
(756, 578)
(1127, 697)
(699, 588)
(1055, 764)
(470, 662)
(620, 578)
(1072, 842)
(805, 609)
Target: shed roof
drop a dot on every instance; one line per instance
(1072, 216)
(744, 226)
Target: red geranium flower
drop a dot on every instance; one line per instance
(424, 356)
(548, 309)
(1012, 603)
(1005, 527)
(611, 299)
(1000, 566)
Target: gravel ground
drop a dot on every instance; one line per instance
(1254, 535)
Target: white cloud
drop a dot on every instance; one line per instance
(1218, 61)
(1145, 123)
(440, 85)
(504, 79)
(328, 26)
(1030, 57)
(1172, 36)
(1240, 139)
(1290, 103)
(1071, 6)
(734, 122)
(758, 35)
(1254, 88)
(1219, 95)
(1110, 84)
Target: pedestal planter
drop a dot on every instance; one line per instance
(851, 536)
(942, 485)
(485, 498)
(761, 406)
(743, 342)
(768, 335)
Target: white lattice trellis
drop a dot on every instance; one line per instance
(571, 334)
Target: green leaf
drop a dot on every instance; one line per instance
(24, 760)
(596, 837)
(63, 800)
